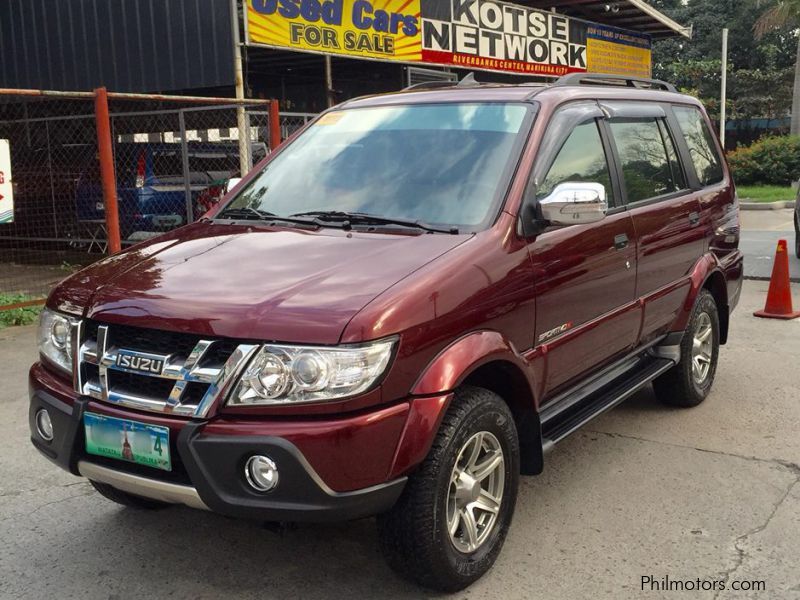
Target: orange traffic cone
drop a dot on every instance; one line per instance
(779, 297)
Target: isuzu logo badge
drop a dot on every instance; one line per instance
(140, 362)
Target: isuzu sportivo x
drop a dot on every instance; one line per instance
(400, 311)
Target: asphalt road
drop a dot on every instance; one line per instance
(709, 493)
(761, 230)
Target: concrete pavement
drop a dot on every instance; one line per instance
(761, 231)
(645, 491)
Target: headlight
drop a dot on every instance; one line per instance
(281, 374)
(55, 338)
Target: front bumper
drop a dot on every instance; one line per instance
(209, 459)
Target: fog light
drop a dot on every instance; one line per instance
(44, 426)
(261, 473)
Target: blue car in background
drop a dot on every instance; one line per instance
(151, 184)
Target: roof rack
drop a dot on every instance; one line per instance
(613, 80)
(467, 81)
(429, 85)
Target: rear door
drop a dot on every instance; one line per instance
(707, 174)
(665, 212)
(585, 275)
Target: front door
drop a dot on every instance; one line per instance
(585, 275)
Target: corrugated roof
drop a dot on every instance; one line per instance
(126, 45)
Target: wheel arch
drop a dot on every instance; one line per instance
(715, 284)
(451, 367)
(507, 381)
(487, 359)
(707, 274)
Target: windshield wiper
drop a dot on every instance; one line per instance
(262, 215)
(246, 212)
(360, 218)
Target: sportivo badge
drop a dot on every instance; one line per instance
(139, 362)
(549, 335)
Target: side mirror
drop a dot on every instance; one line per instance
(575, 203)
(232, 183)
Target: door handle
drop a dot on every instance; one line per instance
(621, 241)
(694, 218)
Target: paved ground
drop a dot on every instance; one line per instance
(35, 270)
(761, 230)
(709, 493)
(31, 280)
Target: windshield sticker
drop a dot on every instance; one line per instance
(330, 118)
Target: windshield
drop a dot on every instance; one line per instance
(441, 164)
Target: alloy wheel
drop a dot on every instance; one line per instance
(475, 492)
(702, 348)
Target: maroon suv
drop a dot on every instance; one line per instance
(400, 311)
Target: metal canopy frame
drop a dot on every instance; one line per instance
(635, 15)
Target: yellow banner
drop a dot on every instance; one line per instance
(350, 27)
(473, 34)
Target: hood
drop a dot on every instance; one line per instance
(249, 282)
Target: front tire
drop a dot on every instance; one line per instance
(689, 382)
(449, 525)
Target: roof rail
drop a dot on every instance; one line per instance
(424, 85)
(613, 80)
(467, 81)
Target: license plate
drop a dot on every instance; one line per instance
(127, 440)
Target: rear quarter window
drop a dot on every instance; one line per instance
(703, 150)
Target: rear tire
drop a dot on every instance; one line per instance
(439, 534)
(689, 382)
(126, 499)
(797, 233)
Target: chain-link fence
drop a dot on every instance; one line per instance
(50, 143)
(292, 121)
(172, 166)
(172, 157)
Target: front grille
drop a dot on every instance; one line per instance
(151, 340)
(140, 385)
(154, 370)
(194, 392)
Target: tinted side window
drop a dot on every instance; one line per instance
(581, 159)
(672, 155)
(648, 168)
(701, 144)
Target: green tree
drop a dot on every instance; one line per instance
(708, 18)
(760, 68)
(784, 13)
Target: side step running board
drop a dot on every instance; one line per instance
(560, 425)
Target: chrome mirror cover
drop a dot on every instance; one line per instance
(575, 203)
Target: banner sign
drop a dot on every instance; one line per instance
(469, 34)
(6, 189)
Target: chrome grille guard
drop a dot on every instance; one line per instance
(173, 368)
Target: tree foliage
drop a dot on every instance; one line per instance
(771, 160)
(777, 46)
(760, 67)
(777, 16)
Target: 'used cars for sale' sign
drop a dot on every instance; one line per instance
(471, 34)
(6, 192)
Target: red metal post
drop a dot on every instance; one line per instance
(274, 125)
(105, 154)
